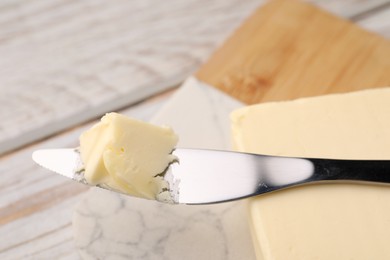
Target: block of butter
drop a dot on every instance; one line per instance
(128, 155)
(327, 221)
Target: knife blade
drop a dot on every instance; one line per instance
(210, 176)
(64, 161)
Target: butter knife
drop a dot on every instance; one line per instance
(210, 176)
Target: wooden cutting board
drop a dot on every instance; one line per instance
(290, 49)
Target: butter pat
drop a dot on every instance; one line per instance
(328, 221)
(128, 155)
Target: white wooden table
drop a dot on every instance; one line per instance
(65, 63)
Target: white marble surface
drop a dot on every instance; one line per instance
(199, 114)
(111, 225)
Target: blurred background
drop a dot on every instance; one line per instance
(65, 62)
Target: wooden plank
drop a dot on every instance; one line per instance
(290, 49)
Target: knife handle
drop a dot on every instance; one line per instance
(351, 170)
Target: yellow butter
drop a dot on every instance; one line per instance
(328, 221)
(127, 155)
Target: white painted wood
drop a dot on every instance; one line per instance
(63, 62)
(350, 9)
(378, 23)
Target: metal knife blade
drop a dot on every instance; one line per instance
(210, 176)
(66, 162)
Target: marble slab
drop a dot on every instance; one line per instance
(112, 226)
